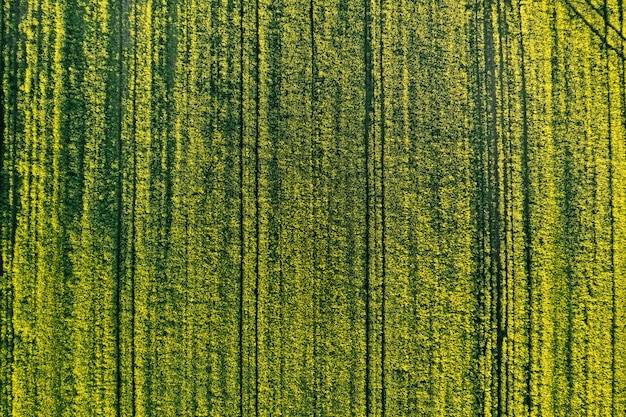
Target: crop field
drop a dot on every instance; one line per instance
(348, 208)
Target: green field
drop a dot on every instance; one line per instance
(348, 208)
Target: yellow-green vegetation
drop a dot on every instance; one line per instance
(312, 208)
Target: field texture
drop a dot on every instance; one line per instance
(346, 208)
